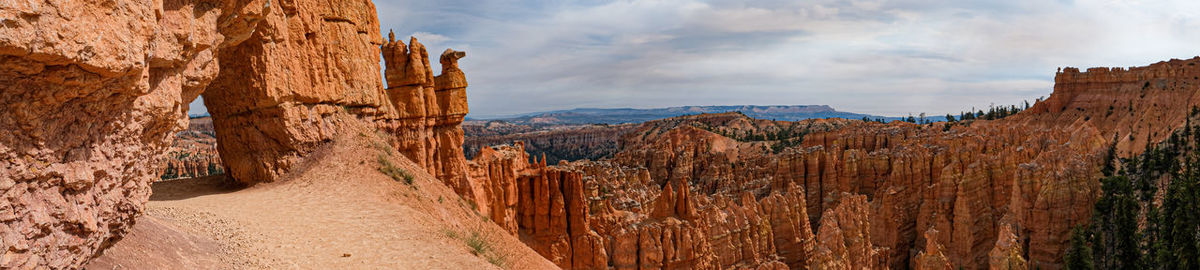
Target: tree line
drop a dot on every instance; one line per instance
(1130, 228)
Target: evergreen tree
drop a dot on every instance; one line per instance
(1114, 226)
(1079, 254)
(1180, 221)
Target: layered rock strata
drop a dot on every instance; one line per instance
(92, 93)
(305, 61)
(428, 109)
(971, 195)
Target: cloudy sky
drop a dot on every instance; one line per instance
(871, 56)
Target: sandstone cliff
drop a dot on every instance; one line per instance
(972, 195)
(568, 143)
(427, 110)
(194, 152)
(93, 92)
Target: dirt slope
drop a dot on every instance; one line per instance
(335, 211)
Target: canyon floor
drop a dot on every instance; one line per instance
(337, 211)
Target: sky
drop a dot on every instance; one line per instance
(882, 57)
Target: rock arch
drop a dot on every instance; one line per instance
(91, 92)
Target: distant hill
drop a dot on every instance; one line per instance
(627, 115)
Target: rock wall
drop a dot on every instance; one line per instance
(588, 215)
(845, 237)
(566, 143)
(494, 175)
(305, 61)
(428, 110)
(194, 152)
(93, 93)
(972, 195)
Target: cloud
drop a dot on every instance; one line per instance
(889, 57)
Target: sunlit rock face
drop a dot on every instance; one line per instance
(93, 92)
(305, 61)
(977, 195)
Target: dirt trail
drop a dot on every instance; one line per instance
(336, 212)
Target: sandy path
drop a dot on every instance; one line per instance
(336, 213)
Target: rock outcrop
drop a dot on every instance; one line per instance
(494, 175)
(1006, 254)
(93, 93)
(557, 143)
(194, 152)
(428, 109)
(276, 88)
(928, 196)
(845, 237)
(932, 257)
(553, 213)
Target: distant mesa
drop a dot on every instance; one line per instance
(614, 116)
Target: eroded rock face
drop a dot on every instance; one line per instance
(932, 256)
(556, 143)
(845, 237)
(92, 93)
(305, 61)
(1006, 254)
(495, 173)
(1001, 193)
(428, 110)
(194, 152)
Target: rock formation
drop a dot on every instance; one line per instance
(1006, 254)
(932, 257)
(926, 196)
(845, 237)
(558, 143)
(428, 109)
(93, 92)
(194, 152)
(553, 212)
(305, 60)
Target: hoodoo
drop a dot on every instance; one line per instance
(93, 91)
(428, 109)
(976, 194)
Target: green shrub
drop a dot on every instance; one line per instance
(387, 168)
(481, 247)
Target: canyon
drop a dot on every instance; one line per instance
(972, 194)
(194, 152)
(94, 93)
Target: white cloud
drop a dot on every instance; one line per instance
(874, 56)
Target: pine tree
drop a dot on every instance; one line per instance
(1180, 221)
(1114, 226)
(1079, 255)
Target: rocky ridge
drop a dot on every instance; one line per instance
(94, 92)
(972, 195)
